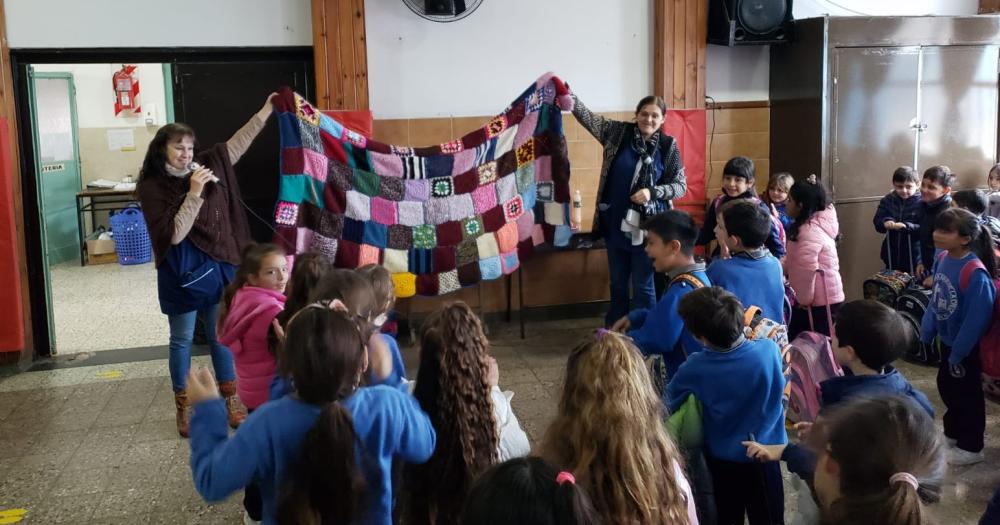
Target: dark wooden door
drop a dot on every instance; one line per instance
(217, 98)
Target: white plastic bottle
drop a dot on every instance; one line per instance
(577, 210)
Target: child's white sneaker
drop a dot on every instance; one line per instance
(961, 458)
(247, 520)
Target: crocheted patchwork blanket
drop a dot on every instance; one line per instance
(439, 217)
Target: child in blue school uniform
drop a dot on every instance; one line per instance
(659, 331)
(385, 361)
(898, 216)
(325, 454)
(751, 273)
(738, 178)
(959, 313)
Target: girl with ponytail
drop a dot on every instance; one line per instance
(457, 385)
(959, 314)
(323, 454)
(880, 461)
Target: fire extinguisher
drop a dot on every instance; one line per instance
(126, 88)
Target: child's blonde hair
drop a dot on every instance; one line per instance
(782, 181)
(609, 432)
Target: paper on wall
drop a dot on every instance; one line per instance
(121, 139)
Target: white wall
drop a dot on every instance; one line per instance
(478, 65)
(95, 100)
(148, 23)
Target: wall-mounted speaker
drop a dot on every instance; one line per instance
(749, 22)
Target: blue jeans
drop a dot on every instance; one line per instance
(181, 335)
(625, 266)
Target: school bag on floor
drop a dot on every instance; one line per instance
(989, 345)
(809, 361)
(887, 285)
(912, 305)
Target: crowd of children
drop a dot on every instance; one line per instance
(337, 433)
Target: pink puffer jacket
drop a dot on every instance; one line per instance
(245, 333)
(816, 248)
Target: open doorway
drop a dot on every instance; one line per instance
(80, 161)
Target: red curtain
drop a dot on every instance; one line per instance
(687, 126)
(11, 324)
(360, 121)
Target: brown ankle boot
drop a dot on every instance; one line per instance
(234, 407)
(183, 412)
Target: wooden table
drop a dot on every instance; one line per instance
(98, 200)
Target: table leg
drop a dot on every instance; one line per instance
(520, 297)
(80, 232)
(507, 284)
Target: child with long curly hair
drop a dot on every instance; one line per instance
(457, 387)
(609, 432)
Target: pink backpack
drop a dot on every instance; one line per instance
(989, 345)
(809, 361)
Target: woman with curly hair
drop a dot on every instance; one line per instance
(609, 432)
(457, 387)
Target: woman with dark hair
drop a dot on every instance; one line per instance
(198, 229)
(640, 175)
(812, 264)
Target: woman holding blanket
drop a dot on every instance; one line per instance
(198, 231)
(641, 173)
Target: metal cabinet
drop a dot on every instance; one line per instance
(876, 94)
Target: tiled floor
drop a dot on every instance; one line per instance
(97, 444)
(106, 307)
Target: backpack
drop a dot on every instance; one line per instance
(989, 345)
(655, 363)
(809, 361)
(756, 326)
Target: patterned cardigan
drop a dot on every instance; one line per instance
(611, 134)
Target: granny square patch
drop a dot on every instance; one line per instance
(545, 192)
(526, 152)
(472, 227)
(496, 126)
(514, 208)
(487, 173)
(442, 187)
(453, 146)
(525, 177)
(286, 213)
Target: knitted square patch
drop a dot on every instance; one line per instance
(405, 284)
(383, 211)
(401, 151)
(330, 225)
(490, 268)
(545, 191)
(368, 255)
(448, 282)
(356, 139)
(348, 254)
(438, 166)
(487, 173)
(484, 198)
(427, 284)
(525, 225)
(375, 235)
(507, 237)
(392, 188)
(468, 274)
(286, 213)
(496, 126)
(424, 236)
(449, 233)
(310, 137)
(417, 189)
(304, 240)
(396, 261)
(494, 219)
(506, 164)
(386, 164)
(411, 213)
(288, 130)
(331, 126)
(543, 169)
(505, 141)
(354, 231)
(366, 182)
(526, 152)
(399, 237)
(460, 207)
(340, 176)
(465, 160)
(414, 167)
(487, 245)
(526, 128)
(513, 208)
(358, 206)
(506, 188)
(534, 101)
(442, 187)
(315, 165)
(472, 227)
(561, 235)
(466, 182)
(509, 262)
(468, 252)
(437, 211)
(525, 176)
(325, 246)
(445, 258)
(530, 198)
(555, 213)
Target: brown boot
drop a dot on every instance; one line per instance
(183, 412)
(234, 407)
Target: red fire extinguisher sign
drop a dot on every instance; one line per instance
(126, 88)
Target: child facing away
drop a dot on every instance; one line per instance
(812, 250)
(880, 461)
(898, 217)
(738, 183)
(457, 386)
(993, 191)
(609, 431)
(959, 313)
(776, 196)
(528, 491)
(868, 337)
(740, 384)
(659, 331)
(975, 201)
(751, 273)
(249, 305)
(325, 454)
(385, 361)
(935, 193)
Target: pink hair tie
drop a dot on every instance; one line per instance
(564, 477)
(601, 332)
(905, 477)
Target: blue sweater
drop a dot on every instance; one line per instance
(835, 390)
(741, 394)
(904, 244)
(660, 330)
(959, 315)
(707, 233)
(398, 373)
(755, 278)
(389, 425)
